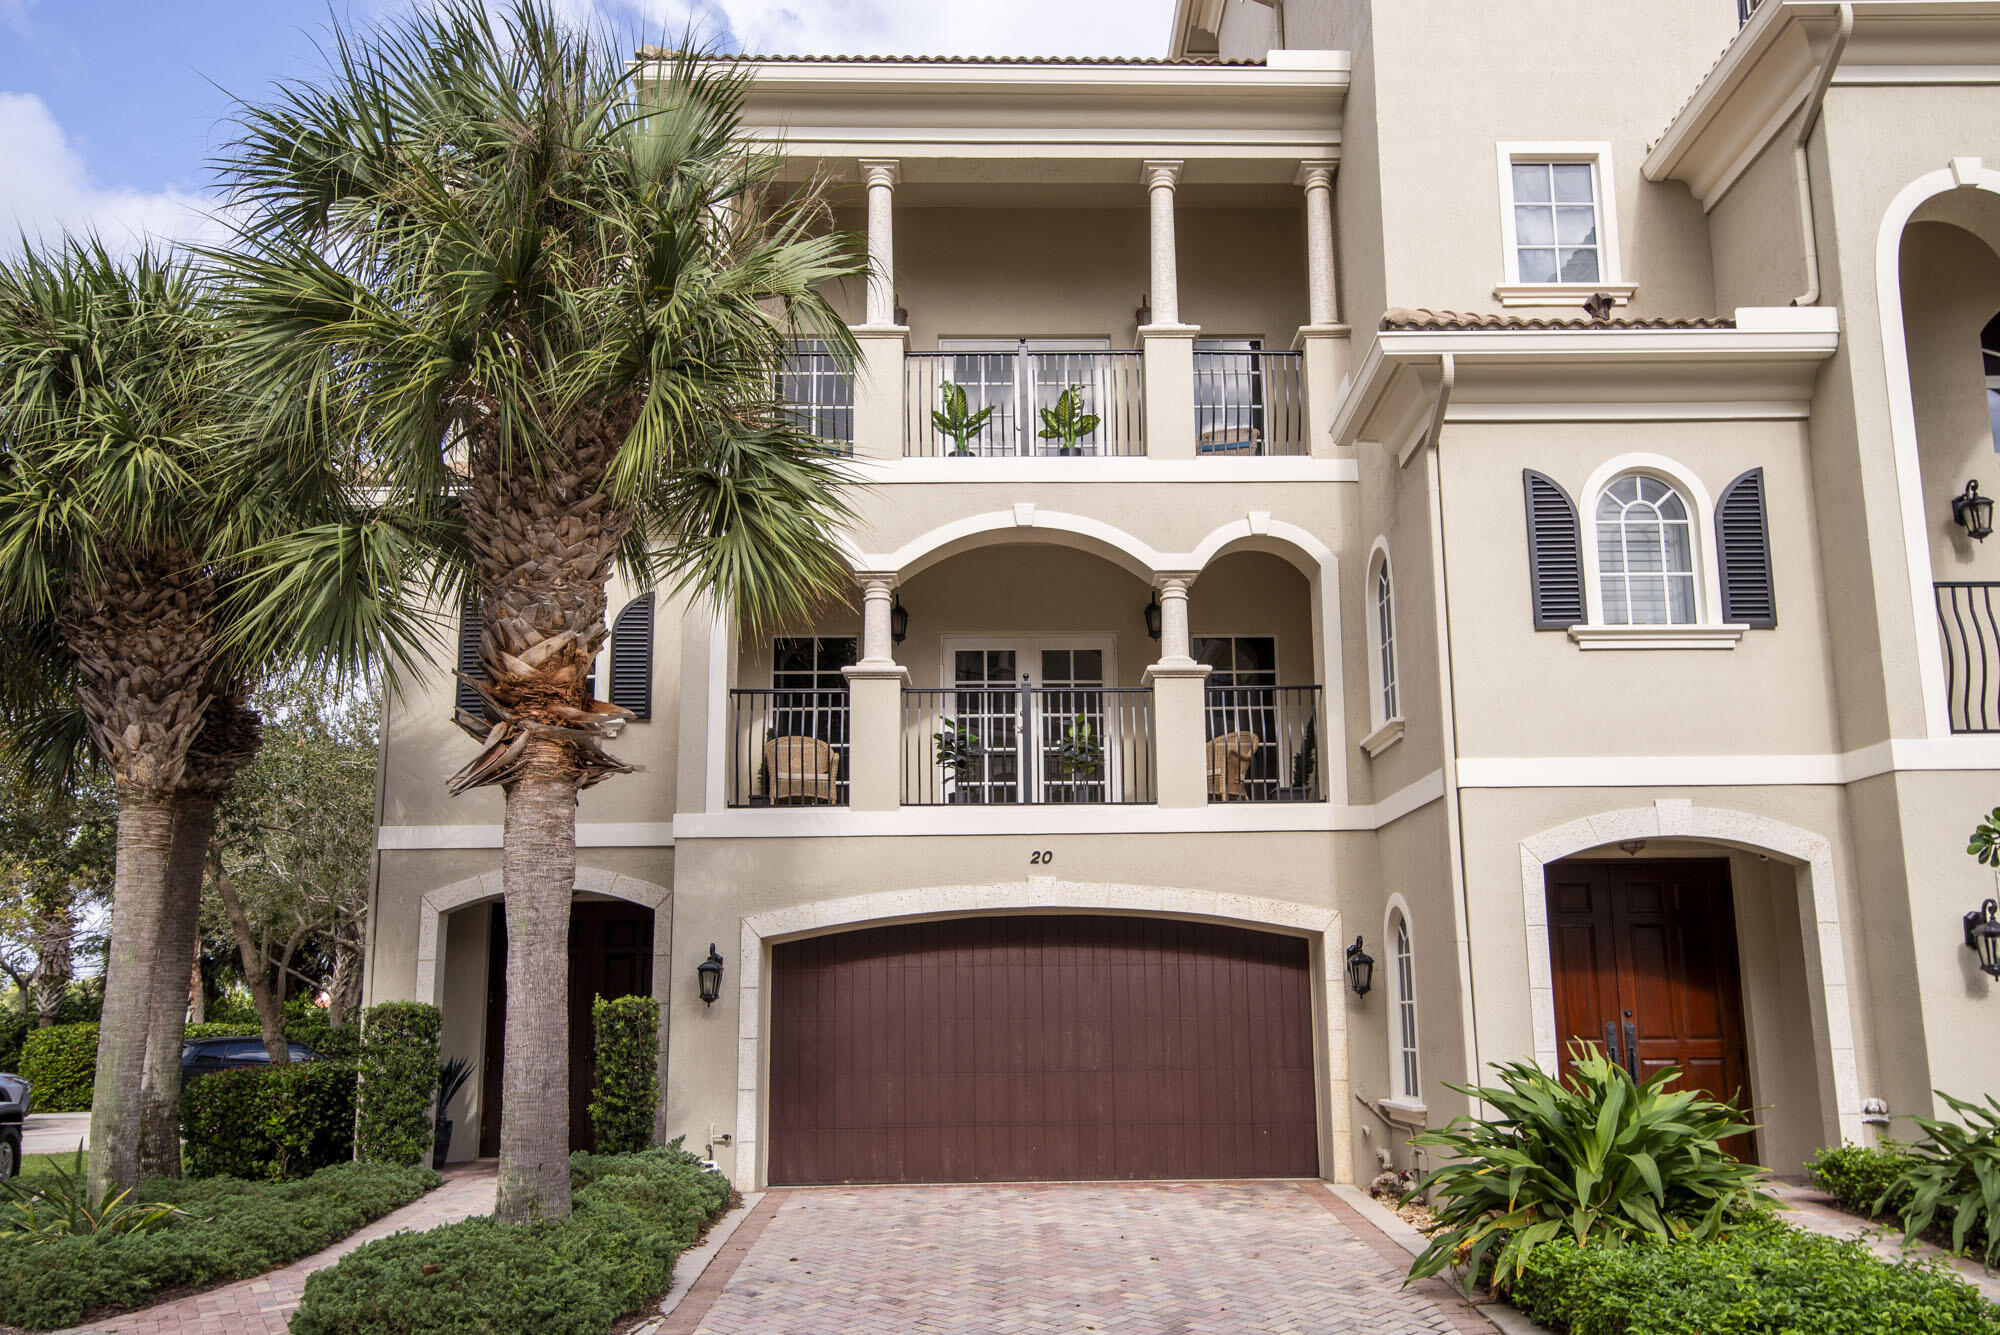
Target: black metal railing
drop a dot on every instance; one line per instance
(1249, 403)
(788, 748)
(1263, 744)
(1028, 745)
(1970, 628)
(946, 393)
(818, 393)
(1745, 8)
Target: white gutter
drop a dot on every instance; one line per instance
(1801, 172)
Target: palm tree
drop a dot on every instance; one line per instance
(535, 296)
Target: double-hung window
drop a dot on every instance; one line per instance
(1559, 222)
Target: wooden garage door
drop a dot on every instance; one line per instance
(1041, 1048)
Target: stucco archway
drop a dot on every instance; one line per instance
(1819, 914)
(444, 900)
(1321, 928)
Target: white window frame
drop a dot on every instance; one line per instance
(1384, 669)
(1401, 1098)
(1708, 630)
(1603, 184)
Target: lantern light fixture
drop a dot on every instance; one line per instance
(710, 970)
(899, 621)
(1144, 315)
(1973, 512)
(1360, 969)
(1982, 937)
(1153, 617)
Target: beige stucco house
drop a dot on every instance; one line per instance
(1618, 675)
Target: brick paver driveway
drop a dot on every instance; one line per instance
(1207, 1258)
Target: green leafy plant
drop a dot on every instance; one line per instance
(1764, 1278)
(399, 1071)
(452, 1076)
(1067, 422)
(1593, 1157)
(1860, 1176)
(958, 750)
(1985, 842)
(1080, 751)
(269, 1121)
(55, 1203)
(61, 1063)
(626, 1090)
(1307, 759)
(1953, 1174)
(955, 420)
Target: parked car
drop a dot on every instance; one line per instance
(16, 1096)
(10, 1146)
(202, 1056)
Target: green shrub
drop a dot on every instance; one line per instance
(14, 1025)
(61, 1063)
(1761, 1280)
(308, 1024)
(1595, 1157)
(1858, 1176)
(634, 1214)
(1952, 1177)
(399, 1070)
(237, 1229)
(621, 1104)
(270, 1122)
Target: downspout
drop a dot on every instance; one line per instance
(1801, 172)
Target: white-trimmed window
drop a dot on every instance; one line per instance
(1385, 715)
(1405, 1072)
(1989, 356)
(1645, 542)
(1559, 224)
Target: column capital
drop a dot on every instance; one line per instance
(1316, 173)
(881, 171)
(1161, 173)
(877, 581)
(1175, 582)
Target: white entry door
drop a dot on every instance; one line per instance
(1037, 705)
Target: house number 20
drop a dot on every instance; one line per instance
(1041, 857)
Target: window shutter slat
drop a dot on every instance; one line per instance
(1555, 553)
(1743, 545)
(632, 657)
(469, 628)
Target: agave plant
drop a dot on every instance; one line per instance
(56, 1203)
(1954, 1173)
(1595, 1156)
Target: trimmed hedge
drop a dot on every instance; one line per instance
(61, 1063)
(634, 1213)
(399, 1072)
(240, 1229)
(628, 1051)
(1765, 1279)
(270, 1122)
(1857, 1175)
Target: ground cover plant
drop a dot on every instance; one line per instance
(1764, 1279)
(228, 1229)
(632, 1215)
(1593, 1157)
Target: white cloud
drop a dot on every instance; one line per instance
(46, 188)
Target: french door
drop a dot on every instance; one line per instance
(1037, 709)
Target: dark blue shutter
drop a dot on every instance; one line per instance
(1743, 542)
(1555, 553)
(469, 627)
(632, 657)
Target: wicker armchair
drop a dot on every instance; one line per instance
(1228, 756)
(802, 770)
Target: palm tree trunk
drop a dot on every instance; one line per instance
(145, 846)
(538, 878)
(160, 1095)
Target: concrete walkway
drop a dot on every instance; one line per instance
(1814, 1210)
(264, 1305)
(1212, 1257)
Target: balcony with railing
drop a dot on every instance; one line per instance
(788, 747)
(1028, 745)
(1031, 399)
(1248, 401)
(1263, 743)
(1969, 627)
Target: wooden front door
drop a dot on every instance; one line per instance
(1646, 968)
(1041, 1048)
(610, 955)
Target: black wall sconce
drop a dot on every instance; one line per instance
(1144, 315)
(1153, 617)
(899, 621)
(1973, 512)
(710, 970)
(1360, 969)
(1982, 936)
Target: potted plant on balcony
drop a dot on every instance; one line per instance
(1078, 756)
(1067, 423)
(1304, 762)
(955, 420)
(958, 752)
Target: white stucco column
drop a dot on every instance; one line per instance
(875, 704)
(1324, 339)
(1322, 284)
(1180, 689)
(1161, 177)
(1174, 638)
(881, 175)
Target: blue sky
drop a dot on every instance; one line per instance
(110, 109)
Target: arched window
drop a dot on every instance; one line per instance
(1382, 641)
(1989, 352)
(1404, 1074)
(1645, 553)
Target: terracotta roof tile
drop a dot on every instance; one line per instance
(1404, 318)
(656, 52)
